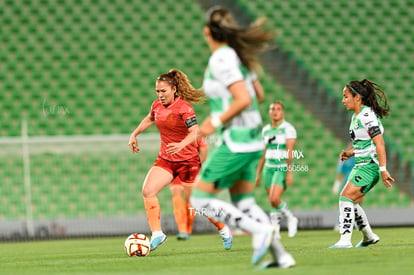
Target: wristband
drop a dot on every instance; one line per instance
(216, 121)
(383, 168)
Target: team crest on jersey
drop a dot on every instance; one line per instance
(357, 124)
(171, 118)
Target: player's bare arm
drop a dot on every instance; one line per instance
(145, 124)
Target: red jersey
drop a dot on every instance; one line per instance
(172, 122)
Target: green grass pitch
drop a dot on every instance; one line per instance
(204, 254)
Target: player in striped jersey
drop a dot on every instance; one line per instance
(232, 87)
(275, 166)
(369, 104)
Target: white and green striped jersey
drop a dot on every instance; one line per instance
(361, 130)
(242, 133)
(275, 141)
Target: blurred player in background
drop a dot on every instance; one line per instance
(280, 138)
(176, 121)
(366, 131)
(230, 84)
(184, 213)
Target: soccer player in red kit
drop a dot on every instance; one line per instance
(176, 121)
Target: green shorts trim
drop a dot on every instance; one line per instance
(239, 197)
(274, 176)
(365, 176)
(201, 194)
(224, 167)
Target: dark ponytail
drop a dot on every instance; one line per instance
(248, 42)
(372, 96)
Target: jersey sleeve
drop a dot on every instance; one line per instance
(188, 115)
(264, 129)
(290, 132)
(370, 123)
(225, 67)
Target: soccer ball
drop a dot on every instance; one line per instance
(137, 245)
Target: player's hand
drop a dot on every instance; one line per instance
(133, 144)
(387, 179)
(343, 155)
(174, 147)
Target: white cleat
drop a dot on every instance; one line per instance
(286, 261)
(157, 241)
(373, 240)
(292, 227)
(261, 243)
(226, 237)
(342, 244)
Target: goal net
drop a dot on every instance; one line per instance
(75, 185)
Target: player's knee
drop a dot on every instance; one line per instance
(176, 190)
(352, 194)
(148, 193)
(275, 201)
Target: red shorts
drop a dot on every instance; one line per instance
(182, 171)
